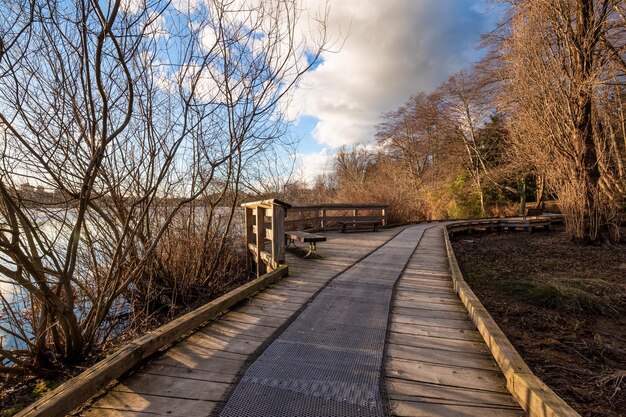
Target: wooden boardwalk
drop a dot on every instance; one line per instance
(435, 364)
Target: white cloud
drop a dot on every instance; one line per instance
(132, 6)
(313, 164)
(208, 38)
(185, 6)
(155, 25)
(394, 49)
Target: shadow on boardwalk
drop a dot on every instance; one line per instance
(435, 362)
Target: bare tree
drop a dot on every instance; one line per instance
(137, 121)
(566, 65)
(467, 99)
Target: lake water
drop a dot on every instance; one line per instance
(17, 298)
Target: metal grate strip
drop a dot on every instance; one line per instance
(328, 361)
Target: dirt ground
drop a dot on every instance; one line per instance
(562, 305)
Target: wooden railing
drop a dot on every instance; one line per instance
(265, 234)
(328, 216)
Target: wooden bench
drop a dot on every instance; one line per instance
(354, 223)
(526, 224)
(534, 211)
(305, 237)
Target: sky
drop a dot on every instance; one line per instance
(382, 52)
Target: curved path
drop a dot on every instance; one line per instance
(328, 361)
(318, 342)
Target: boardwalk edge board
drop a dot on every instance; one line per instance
(535, 397)
(73, 393)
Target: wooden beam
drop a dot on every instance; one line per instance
(260, 240)
(65, 398)
(278, 232)
(533, 395)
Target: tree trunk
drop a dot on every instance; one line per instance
(522, 195)
(587, 39)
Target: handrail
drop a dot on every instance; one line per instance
(265, 224)
(328, 216)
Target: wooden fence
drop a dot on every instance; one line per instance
(327, 216)
(265, 234)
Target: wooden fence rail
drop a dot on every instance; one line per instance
(328, 216)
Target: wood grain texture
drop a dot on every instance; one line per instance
(537, 399)
(193, 376)
(79, 389)
(436, 363)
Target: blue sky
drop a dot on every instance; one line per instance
(384, 51)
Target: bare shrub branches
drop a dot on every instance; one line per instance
(565, 94)
(126, 127)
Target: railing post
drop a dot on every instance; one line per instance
(260, 240)
(250, 239)
(278, 235)
(323, 218)
(257, 234)
(384, 214)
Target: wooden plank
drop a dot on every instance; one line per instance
(408, 312)
(278, 232)
(435, 298)
(237, 317)
(265, 311)
(439, 322)
(120, 403)
(193, 353)
(400, 389)
(192, 360)
(441, 343)
(285, 306)
(417, 295)
(163, 369)
(279, 298)
(413, 408)
(236, 327)
(428, 329)
(76, 391)
(412, 326)
(232, 328)
(441, 357)
(303, 286)
(223, 342)
(445, 375)
(108, 412)
(415, 283)
(261, 267)
(193, 389)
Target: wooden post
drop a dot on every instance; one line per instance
(323, 218)
(260, 240)
(384, 213)
(278, 235)
(249, 223)
(257, 234)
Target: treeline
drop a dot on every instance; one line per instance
(541, 116)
